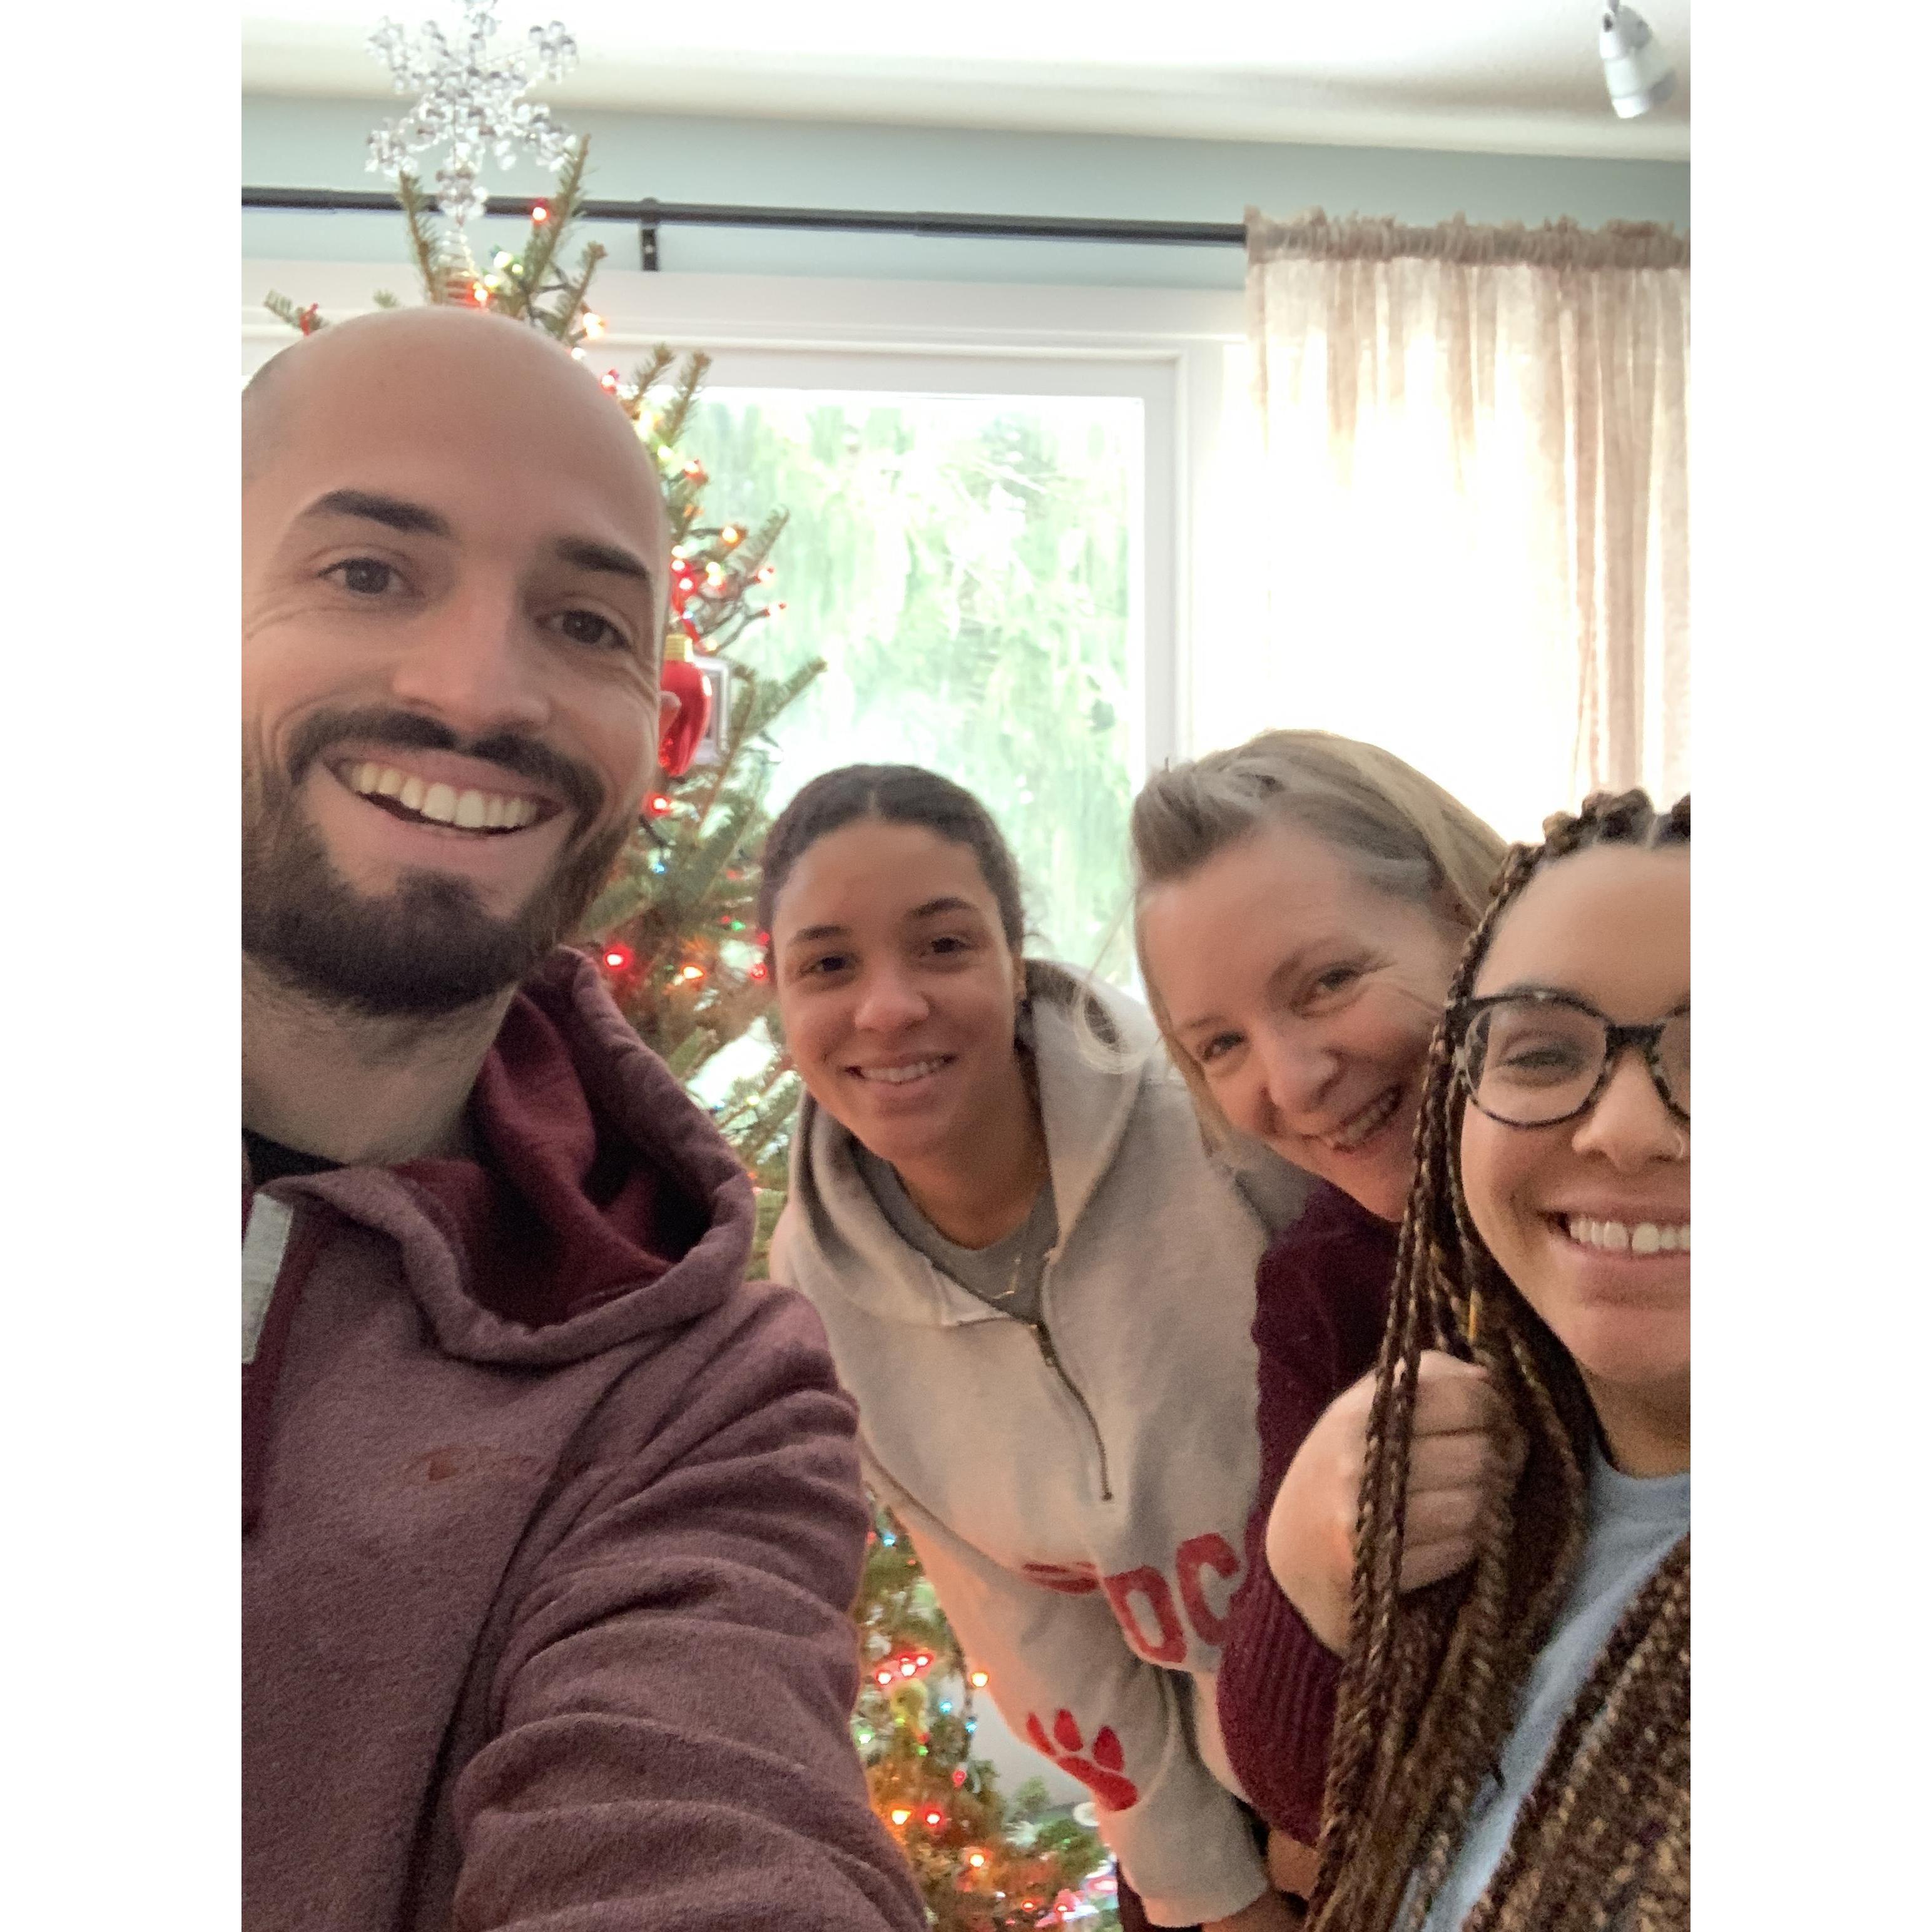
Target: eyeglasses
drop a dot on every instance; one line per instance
(1535, 1059)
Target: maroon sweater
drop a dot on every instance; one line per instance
(1321, 1297)
(551, 1523)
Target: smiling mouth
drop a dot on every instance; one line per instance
(899, 1076)
(1364, 1126)
(418, 803)
(1637, 1238)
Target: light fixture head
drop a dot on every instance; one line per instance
(1633, 70)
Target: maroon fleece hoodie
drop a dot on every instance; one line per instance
(551, 1525)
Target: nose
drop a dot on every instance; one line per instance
(470, 662)
(1629, 1126)
(890, 1002)
(1298, 1069)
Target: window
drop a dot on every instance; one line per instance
(966, 565)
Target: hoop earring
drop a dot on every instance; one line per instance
(1682, 1150)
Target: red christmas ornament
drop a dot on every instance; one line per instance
(692, 690)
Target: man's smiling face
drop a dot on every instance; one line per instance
(453, 555)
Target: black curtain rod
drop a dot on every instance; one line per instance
(649, 216)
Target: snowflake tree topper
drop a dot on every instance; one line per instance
(468, 99)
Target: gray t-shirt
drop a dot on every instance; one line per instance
(1634, 1523)
(1006, 1275)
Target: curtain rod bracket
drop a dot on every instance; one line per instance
(647, 233)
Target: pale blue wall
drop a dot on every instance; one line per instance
(301, 142)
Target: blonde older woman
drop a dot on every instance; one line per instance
(1302, 901)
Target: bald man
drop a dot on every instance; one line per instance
(549, 1521)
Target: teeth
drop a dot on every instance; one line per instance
(1645, 1237)
(897, 1076)
(1354, 1132)
(471, 810)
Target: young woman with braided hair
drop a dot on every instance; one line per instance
(1512, 1746)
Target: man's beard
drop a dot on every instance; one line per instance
(429, 947)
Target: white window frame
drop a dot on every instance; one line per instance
(1179, 351)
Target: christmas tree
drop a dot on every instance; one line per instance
(984, 1863)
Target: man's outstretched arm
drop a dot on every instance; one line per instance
(671, 1747)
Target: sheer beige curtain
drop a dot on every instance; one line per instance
(1472, 500)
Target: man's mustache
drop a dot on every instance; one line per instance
(411, 731)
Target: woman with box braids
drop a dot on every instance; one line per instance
(1542, 1241)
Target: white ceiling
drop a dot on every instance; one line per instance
(1512, 77)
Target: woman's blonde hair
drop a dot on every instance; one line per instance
(1398, 832)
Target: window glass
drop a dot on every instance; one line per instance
(967, 567)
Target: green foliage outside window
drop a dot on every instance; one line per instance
(964, 567)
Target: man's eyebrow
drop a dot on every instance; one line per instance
(394, 513)
(587, 555)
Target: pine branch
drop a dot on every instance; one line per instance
(707, 856)
(632, 888)
(565, 321)
(677, 412)
(647, 375)
(562, 209)
(698, 1047)
(764, 701)
(750, 557)
(305, 320)
(435, 266)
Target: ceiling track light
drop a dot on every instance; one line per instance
(1634, 71)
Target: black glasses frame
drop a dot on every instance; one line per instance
(1647, 1036)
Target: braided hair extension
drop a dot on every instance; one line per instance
(1428, 1692)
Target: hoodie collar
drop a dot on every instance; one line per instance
(610, 1205)
(1091, 1046)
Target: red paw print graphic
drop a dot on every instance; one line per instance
(1101, 1773)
